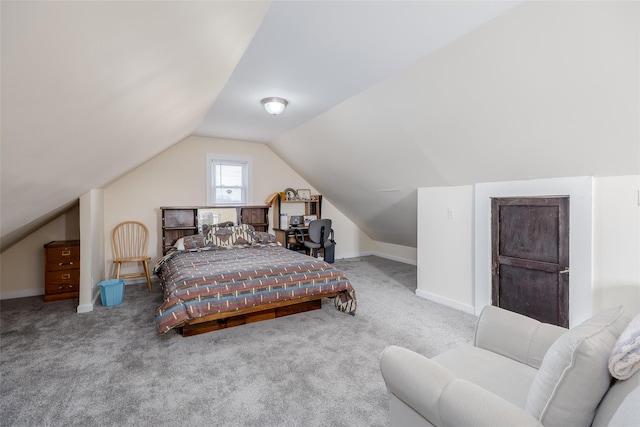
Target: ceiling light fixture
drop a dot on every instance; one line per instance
(274, 106)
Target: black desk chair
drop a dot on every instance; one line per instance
(320, 237)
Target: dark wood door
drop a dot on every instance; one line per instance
(530, 257)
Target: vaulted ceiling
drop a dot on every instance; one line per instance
(385, 97)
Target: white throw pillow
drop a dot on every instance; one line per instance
(625, 358)
(179, 244)
(574, 375)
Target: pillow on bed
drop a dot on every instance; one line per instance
(193, 242)
(262, 237)
(227, 237)
(179, 244)
(206, 228)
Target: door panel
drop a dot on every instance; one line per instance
(530, 257)
(529, 232)
(527, 291)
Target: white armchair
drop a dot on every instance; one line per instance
(518, 372)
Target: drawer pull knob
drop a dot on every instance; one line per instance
(66, 276)
(65, 287)
(66, 263)
(66, 253)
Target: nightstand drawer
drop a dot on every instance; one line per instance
(62, 288)
(62, 263)
(62, 258)
(64, 252)
(68, 277)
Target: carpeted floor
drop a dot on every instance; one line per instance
(110, 367)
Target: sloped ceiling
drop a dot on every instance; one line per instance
(548, 89)
(90, 90)
(316, 54)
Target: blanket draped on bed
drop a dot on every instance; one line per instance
(225, 280)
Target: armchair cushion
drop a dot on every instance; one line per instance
(439, 398)
(573, 375)
(486, 369)
(515, 336)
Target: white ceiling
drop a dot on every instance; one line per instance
(316, 54)
(85, 82)
(402, 95)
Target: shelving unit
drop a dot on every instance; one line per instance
(180, 221)
(311, 207)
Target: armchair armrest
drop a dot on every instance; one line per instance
(465, 404)
(415, 379)
(514, 335)
(442, 399)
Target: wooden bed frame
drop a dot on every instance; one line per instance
(183, 221)
(214, 322)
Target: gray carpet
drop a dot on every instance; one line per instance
(111, 368)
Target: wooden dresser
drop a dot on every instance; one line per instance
(61, 270)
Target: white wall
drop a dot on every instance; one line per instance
(401, 253)
(613, 276)
(22, 265)
(580, 193)
(351, 241)
(616, 242)
(445, 246)
(177, 176)
(91, 248)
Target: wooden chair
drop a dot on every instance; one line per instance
(130, 241)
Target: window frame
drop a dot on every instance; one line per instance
(246, 162)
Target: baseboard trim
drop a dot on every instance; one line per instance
(379, 254)
(395, 258)
(84, 308)
(354, 255)
(140, 280)
(36, 292)
(469, 309)
(22, 293)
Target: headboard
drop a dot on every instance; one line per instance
(180, 221)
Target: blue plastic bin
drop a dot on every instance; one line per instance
(112, 292)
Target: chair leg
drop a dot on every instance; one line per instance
(118, 264)
(146, 272)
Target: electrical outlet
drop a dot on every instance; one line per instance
(451, 214)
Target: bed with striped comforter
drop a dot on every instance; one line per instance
(201, 283)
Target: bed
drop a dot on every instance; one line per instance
(234, 275)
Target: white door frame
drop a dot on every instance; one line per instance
(580, 192)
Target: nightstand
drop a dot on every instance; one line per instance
(61, 270)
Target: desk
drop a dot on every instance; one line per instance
(287, 238)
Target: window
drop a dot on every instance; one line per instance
(228, 180)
